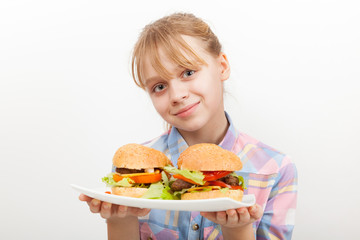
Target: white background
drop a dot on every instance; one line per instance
(67, 102)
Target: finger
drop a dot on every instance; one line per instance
(121, 211)
(256, 212)
(84, 198)
(105, 210)
(232, 217)
(209, 215)
(94, 205)
(143, 212)
(138, 212)
(244, 216)
(221, 217)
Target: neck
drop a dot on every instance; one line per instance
(213, 132)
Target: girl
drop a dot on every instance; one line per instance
(178, 61)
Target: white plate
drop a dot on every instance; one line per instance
(209, 205)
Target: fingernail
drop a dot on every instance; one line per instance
(105, 206)
(123, 208)
(241, 210)
(253, 209)
(96, 202)
(230, 212)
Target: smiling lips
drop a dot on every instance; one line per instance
(187, 111)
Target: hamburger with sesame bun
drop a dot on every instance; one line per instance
(207, 171)
(138, 172)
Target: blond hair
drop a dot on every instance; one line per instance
(166, 33)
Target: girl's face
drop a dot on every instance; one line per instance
(192, 99)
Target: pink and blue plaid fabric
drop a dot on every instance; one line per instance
(269, 174)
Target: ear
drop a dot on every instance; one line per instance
(224, 66)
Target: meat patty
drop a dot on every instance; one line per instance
(179, 185)
(230, 180)
(128, 171)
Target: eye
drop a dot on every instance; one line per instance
(159, 87)
(188, 73)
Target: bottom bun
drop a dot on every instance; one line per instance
(233, 194)
(129, 192)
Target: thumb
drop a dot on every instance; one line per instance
(84, 198)
(256, 211)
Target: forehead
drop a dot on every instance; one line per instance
(153, 66)
(165, 60)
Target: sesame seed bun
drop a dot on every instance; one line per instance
(129, 192)
(233, 194)
(208, 157)
(136, 156)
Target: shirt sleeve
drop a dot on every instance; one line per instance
(279, 214)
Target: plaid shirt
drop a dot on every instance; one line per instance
(270, 175)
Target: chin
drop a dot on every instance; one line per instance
(190, 127)
(190, 124)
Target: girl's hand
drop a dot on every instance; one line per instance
(108, 210)
(235, 218)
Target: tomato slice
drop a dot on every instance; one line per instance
(151, 178)
(214, 175)
(139, 177)
(179, 176)
(117, 177)
(224, 185)
(219, 183)
(237, 188)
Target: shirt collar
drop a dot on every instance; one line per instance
(177, 144)
(230, 137)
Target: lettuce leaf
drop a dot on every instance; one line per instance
(158, 191)
(164, 178)
(167, 194)
(110, 182)
(195, 176)
(224, 190)
(178, 194)
(241, 180)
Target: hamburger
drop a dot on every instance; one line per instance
(206, 171)
(138, 172)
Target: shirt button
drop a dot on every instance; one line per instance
(195, 227)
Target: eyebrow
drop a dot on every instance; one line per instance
(151, 79)
(158, 77)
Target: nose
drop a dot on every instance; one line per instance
(178, 91)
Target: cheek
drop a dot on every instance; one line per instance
(159, 104)
(207, 87)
